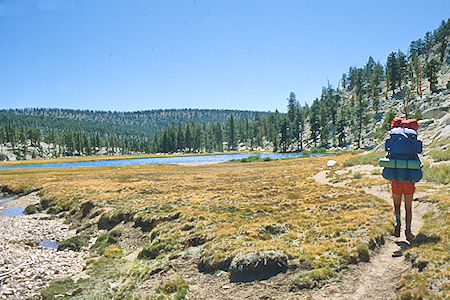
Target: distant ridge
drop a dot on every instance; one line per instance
(142, 124)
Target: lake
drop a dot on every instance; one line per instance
(162, 160)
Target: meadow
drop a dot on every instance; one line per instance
(222, 212)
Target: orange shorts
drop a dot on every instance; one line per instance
(406, 187)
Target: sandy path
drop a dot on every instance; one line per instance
(379, 278)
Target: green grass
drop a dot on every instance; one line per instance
(437, 173)
(370, 158)
(175, 289)
(74, 243)
(105, 240)
(161, 244)
(439, 154)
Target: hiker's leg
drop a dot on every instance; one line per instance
(408, 205)
(397, 201)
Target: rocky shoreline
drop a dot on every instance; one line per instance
(26, 266)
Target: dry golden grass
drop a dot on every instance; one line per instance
(230, 204)
(431, 254)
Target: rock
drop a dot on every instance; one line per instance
(435, 113)
(273, 229)
(331, 163)
(425, 123)
(257, 266)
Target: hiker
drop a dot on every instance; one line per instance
(403, 147)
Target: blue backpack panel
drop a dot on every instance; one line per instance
(403, 144)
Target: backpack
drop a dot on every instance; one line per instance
(403, 145)
(411, 124)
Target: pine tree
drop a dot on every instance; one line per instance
(284, 134)
(314, 121)
(402, 71)
(340, 127)
(344, 80)
(442, 34)
(323, 120)
(361, 116)
(291, 106)
(431, 70)
(299, 127)
(392, 71)
(188, 137)
(231, 133)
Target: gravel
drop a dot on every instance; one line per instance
(26, 267)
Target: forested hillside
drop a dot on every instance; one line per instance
(354, 114)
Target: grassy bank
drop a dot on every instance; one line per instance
(224, 210)
(430, 255)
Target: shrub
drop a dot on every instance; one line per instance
(357, 175)
(74, 243)
(30, 209)
(106, 239)
(113, 252)
(161, 244)
(175, 289)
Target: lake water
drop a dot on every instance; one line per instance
(14, 211)
(162, 160)
(49, 244)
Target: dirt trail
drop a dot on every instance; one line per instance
(379, 278)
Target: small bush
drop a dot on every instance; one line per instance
(312, 278)
(74, 243)
(175, 289)
(30, 209)
(113, 252)
(357, 175)
(376, 172)
(363, 253)
(161, 244)
(106, 239)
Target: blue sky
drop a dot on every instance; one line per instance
(140, 55)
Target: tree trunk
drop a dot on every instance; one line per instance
(387, 88)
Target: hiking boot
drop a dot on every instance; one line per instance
(409, 236)
(397, 230)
